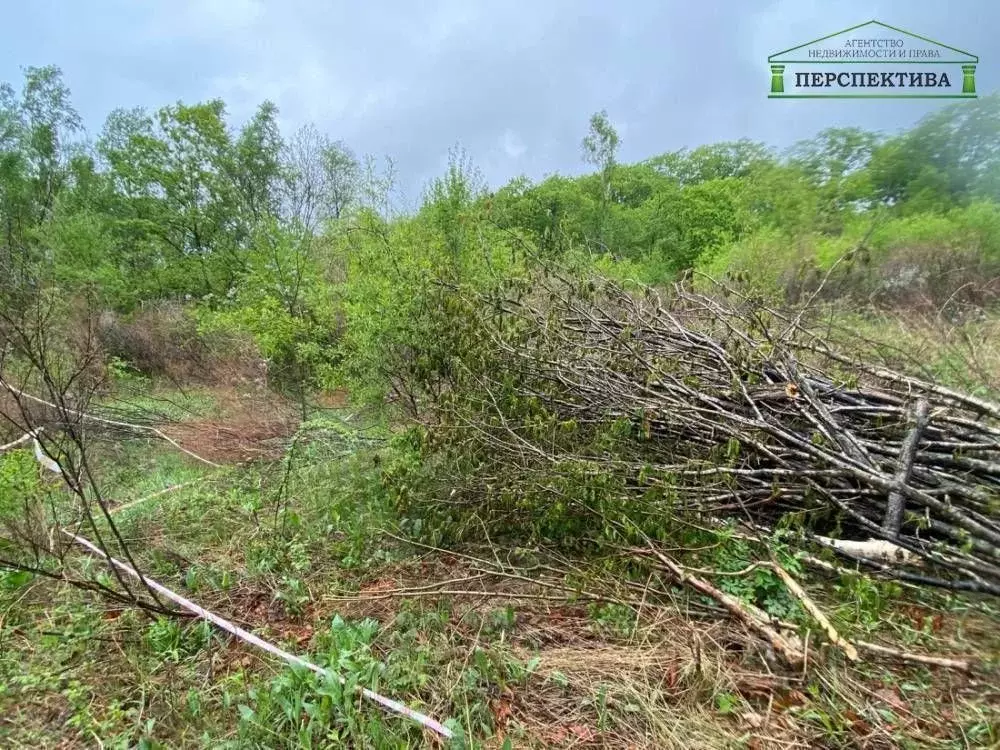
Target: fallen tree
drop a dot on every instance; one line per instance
(730, 410)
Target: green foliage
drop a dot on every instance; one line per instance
(19, 482)
(761, 586)
(293, 244)
(293, 593)
(866, 600)
(28, 506)
(308, 710)
(404, 313)
(599, 149)
(949, 158)
(834, 163)
(933, 255)
(719, 161)
(290, 242)
(614, 620)
(301, 710)
(285, 305)
(172, 640)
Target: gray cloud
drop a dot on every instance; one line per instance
(513, 82)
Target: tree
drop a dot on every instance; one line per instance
(836, 162)
(322, 179)
(951, 157)
(256, 165)
(713, 162)
(554, 213)
(377, 186)
(600, 147)
(189, 195)
(34, 157)
(343, 173)
(49, 118)
(449, 199)
(178, 208)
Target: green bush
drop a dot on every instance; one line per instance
(403, 299)
(915, 259)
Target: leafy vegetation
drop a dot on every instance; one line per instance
(252, 298)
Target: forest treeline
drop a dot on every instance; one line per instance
(291, 241)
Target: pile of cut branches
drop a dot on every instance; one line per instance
(745, 412)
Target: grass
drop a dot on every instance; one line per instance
(305, 550)
(956, 353)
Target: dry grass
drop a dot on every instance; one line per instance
(164, 340)
(674, 681)
(244, 427)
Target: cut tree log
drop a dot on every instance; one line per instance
(897, 501)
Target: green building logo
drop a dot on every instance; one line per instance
(873, 60)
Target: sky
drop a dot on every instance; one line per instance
(513, 83)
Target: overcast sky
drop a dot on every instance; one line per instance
(512, 82)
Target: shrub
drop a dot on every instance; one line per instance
(164, 340)
(284, 303)
(405, 318)
(921, 261)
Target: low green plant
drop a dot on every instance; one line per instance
(293, 594)
(172, 640)
(865, 600)
(614, 620)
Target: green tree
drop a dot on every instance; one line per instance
(449, 202)
(600, 148)
(189, 196)
(35, 152)
(951, 157)
(717, 161)
(255, 165)
(555, 213)
(836, 162)
(323, 179)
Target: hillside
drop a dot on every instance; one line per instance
(699, 451)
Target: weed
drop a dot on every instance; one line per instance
(293, 594)
(173, 640)
(614, 620)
